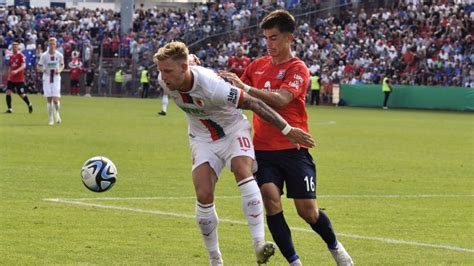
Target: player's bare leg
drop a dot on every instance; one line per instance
(50, 108)
(57, 106)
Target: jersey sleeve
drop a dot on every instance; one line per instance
(22, 59)
(225, 93)
(61, 60)
(245, 78)
(296, 80)
(41, 61)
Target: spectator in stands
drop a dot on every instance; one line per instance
(405, 37)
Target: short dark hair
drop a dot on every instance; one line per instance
(280, 19)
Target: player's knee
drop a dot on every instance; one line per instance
(242, 168)
(272, 206)
(205, 196)
(271, 201)
(310, 215)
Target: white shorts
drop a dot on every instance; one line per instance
(220, 153)
(52, 89)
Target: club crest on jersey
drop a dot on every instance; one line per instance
(281, 74)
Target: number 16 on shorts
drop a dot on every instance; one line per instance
(309, 180)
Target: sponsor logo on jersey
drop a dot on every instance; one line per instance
(296, 82)
(193, 111)
(232, 96)
(259, 72)
(268, 86)
(281, 74)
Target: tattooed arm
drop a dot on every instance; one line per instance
(296, 135)
(264, 111)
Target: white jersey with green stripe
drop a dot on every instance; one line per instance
(51, 62)
(210, 105)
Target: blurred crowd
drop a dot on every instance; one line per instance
(412, 42)
(415, 42)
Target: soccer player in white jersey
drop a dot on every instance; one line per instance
(193, 60)
(219, 135)
(51, 64)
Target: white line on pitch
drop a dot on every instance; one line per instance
(325, 123)
(321, 196)
(182, 215)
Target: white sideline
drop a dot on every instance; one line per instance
(319, 196)
(182, 215)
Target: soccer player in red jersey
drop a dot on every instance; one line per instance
(16, 78)
(281, 80)
(238, 63)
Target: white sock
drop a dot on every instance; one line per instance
(207, 220)
(252, 205)
(50, 111)
(57, 107)
(164, 103)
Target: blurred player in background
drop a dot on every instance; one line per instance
(238, 63)
(16, 78)
(51, 64)
(193, 61)
(281, 80)
(219, 135)
(90, 76)
(75, 70)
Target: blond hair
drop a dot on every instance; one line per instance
(52, 39)
(174, 50)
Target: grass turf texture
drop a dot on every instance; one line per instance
(363, 156)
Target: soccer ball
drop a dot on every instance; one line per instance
(99, 174)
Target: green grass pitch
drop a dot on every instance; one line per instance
(398, 186)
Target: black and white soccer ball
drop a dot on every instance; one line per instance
(99, 174)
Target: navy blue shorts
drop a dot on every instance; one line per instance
(17, 87)
(295, 168)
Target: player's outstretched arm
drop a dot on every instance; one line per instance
(276, 99)
(295, 135)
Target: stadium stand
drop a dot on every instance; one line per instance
(416, 42)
